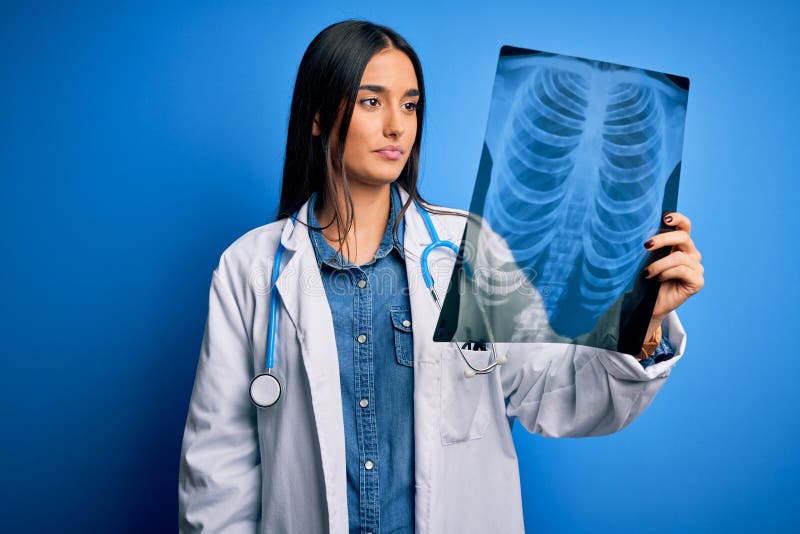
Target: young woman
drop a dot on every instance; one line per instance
(371, 426)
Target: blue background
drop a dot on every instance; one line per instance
(139, 141)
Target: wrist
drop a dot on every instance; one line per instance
(654, 325)
(652, 339)
(655, 322)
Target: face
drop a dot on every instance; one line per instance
(384, 122)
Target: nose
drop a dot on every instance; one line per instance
(393, 123)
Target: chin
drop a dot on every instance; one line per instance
(377, 177)
(380, 180)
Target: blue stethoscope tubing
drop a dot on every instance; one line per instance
(266, 388)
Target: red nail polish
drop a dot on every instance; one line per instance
(668, 218)
(648, 244)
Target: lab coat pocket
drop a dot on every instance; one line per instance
(464, 402)
(403, 337)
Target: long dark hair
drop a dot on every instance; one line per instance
(327, 83)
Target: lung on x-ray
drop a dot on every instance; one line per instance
(580, 160)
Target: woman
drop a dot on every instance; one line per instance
(376, 428)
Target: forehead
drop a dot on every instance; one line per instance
(392, 69)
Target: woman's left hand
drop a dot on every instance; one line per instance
(680, 272)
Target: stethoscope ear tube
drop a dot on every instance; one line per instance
(471, 371)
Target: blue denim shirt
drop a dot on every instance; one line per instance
(372, 323)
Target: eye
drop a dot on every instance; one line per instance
(410, 106)
(371, 102)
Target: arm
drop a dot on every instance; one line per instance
(219, 483)
(559, 390)
(577, 390)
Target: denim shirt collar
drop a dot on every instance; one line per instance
(327, 255)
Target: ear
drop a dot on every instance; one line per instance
(315, 130)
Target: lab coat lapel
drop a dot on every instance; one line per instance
(422, 304)
(303, 296)
(427, 354)
(440, 264)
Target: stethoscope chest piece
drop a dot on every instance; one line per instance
(265, 390)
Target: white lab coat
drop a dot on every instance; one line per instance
(282, 470)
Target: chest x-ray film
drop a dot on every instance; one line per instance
(581, 159)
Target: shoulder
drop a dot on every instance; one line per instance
(250, 253)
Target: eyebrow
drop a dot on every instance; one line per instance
(382, 89)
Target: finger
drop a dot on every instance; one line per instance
(679, 221)
(676, 238)
(674, 259)
(689, 277)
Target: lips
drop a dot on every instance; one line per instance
(391, 152)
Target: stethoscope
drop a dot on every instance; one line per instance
(266, 389)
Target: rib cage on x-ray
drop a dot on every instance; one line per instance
(579, 168)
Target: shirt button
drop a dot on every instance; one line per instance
(362, 338)
(406, 323)
(368, 465)
(362, 283)
(363, 403)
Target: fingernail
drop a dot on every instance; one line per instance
(649, 244)
(668, 218)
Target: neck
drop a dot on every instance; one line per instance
(371, 206)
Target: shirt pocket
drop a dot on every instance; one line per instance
(403, 336)
(464, 401)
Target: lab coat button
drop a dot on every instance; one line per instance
(362, 283)
(406, 323)
(363, 403)
(368, 465)
(362, 338)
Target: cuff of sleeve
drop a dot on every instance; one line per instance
(663, 352)
(626, 367)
